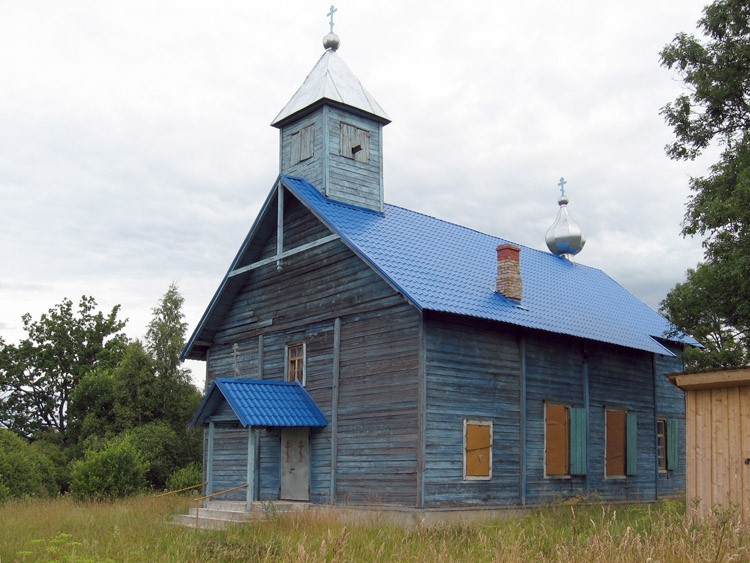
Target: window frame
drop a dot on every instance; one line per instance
(474, 422)
(293, 346)
(662, 445)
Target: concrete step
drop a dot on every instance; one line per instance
(219, 514)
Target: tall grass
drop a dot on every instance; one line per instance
(138, 529)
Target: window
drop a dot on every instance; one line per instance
(621, 443)
(477, 449)
(666, 444)
(564, 440)
(302, 144)
(354, 143)
(295, 363)
(661, 443)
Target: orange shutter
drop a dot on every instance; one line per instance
(556, 440)
(615, 462)
(478, 443)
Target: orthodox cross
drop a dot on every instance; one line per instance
(562, 183)
(235, 353)
(330, 14)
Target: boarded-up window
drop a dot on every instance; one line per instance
(477, 449)
(615, 443)
(565, 441)
(302, 144)
(354, 143)
(295, 362)
(621, 450)
(556, 445)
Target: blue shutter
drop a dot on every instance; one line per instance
(578, 441)
(673, 446)
(631, 447)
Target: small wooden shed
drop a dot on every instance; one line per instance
(717, 439)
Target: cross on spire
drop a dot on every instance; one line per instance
(562, 183)
(330, 14)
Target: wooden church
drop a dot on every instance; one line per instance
(360, 353)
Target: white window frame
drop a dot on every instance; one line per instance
(472, 422)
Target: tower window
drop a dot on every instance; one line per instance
(354, 143)
(302, 144)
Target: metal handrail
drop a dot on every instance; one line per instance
(199, 499)
(180, 490)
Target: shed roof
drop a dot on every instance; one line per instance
(261, 403)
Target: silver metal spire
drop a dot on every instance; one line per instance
(564, 237)
(330, 80)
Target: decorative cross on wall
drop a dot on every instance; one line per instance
(562, 183)
(235, 353)
(330, 14)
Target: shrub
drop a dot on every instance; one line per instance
(115, 471)
(157, 443)
(24, 470)
(185, 477)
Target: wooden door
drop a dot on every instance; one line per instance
(295, 464)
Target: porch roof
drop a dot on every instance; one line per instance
(258, 402)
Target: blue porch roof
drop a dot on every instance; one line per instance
(261, 403)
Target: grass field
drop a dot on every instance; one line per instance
(138, 529)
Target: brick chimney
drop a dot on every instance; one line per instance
(509, 281)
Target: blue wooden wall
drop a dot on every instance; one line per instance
(376, 422)
(407, 381)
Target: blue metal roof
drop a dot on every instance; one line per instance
(261, 403)
(440, 266)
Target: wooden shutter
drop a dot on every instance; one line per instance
(632, 443)
(673, 446)
(615, 451)
(478, 450)
(578, 441)
(556, 440)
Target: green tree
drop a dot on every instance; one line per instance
(38, 376)
(699, 303)
(715, 112)
(165, 336)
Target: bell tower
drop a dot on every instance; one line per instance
(332, 132)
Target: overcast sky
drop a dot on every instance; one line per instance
(135, 146)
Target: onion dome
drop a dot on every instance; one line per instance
(564, 237)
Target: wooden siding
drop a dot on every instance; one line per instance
(313, 169)
(620, 378)
(355, 181)
(718, 442)
(670, 404)
(554, 373)
(349, 180)
(472, 372)
(378, 362)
